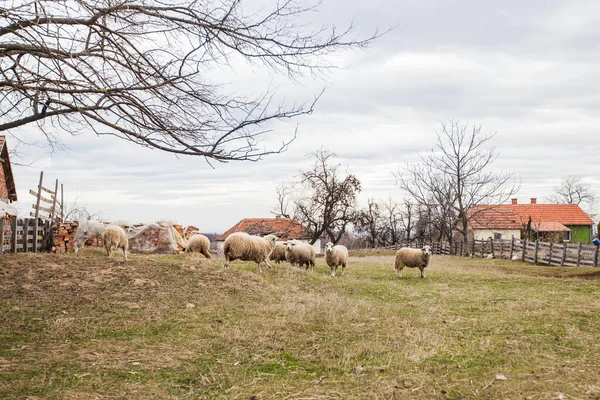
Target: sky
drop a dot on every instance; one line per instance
(526, 71)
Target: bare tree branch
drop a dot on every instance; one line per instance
(137, 69)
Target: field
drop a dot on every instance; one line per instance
(177, 327)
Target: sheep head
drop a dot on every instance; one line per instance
(328, 247)
(426, 250)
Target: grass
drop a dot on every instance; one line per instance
(180, 327)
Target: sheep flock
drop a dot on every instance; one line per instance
(245, 247)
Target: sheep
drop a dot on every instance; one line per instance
(198, 243)
(86, 230)
(115, 237)
(241, 246)
(278, 254)
(300, 253)
(336, 256)
(413, 258)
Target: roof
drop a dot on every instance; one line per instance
(283, 228)
(9, 179)
(549, 227)
(514, 216)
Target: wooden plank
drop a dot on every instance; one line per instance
(578, 253)
(44, 199)
(13, 235)
(2, 224)
(535, 254)
(595, 257)
(47, 190)
(44, 209)
(25, 233)
(550, 253)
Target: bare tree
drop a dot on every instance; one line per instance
(394, 221)
(138, 70)
(455, 176)
(75, 211)
(573, 190)
(327, 200)
(370, 222)
(284, 200)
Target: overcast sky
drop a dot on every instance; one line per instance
(525, 70)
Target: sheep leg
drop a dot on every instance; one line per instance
(125, 253)
(422, 273)
(226, 261)
(343, 268)
(399, 271)
(333, 271)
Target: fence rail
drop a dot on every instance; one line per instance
(536, 252)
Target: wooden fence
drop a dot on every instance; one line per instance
(20, 235)
(536, 252)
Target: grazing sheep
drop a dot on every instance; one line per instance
(412, 258)
(335, 256)
(115, 237)
(87, 230)
(300, 253)
(278, 254)
(241, 246)
(198, 243)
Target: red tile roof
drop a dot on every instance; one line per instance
(283, 228)
(549, 227)
(513, 216)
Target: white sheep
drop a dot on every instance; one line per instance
(87, 230)
(198, 243)
(241, 246)
(115, 237)
(412, 258)
(335, 256)
(278, 254)
(300, 253)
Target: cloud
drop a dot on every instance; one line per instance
(525, 70)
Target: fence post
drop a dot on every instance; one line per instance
(2, 224)
(492, 247)
(550, 253)
(596, 256)
(37, 213)
(512, 245)
(524, 249)
(579, 254)
(25, 233)
(564, 255)
(13, 234)
(535, 254)
(461, 248)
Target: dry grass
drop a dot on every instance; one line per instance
(182, 327)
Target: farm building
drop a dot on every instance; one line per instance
(549, 222)
(8, 191)
(282, 227)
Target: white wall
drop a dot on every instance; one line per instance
(485, 234)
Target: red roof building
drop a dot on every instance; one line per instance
(283, 228)
(8, 191)
(567, 219)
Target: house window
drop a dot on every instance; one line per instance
(567, 236)
(497, 236)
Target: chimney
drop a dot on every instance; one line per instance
(514, 201)
(533, 200)
(278, 216)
